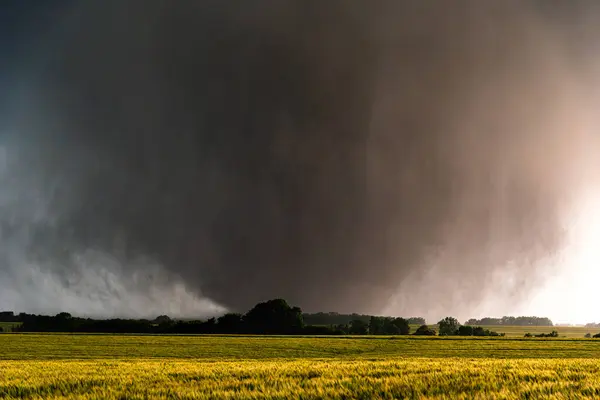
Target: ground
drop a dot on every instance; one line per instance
(250, 367)
(520, 331)
(8, 326)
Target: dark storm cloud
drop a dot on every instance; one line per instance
(339, 154)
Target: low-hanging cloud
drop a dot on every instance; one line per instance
(397, 157)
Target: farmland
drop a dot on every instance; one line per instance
(269, 379)
(563, 331)
(8, 326)
(520, 331)
(80, 346)
(269, 367)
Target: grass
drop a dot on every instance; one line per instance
(8, 326)
(51, 366)
(82, 347)
(520, 331)
(563, 331)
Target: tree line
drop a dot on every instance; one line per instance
(334, 318)
(450, 326)
(271, 317)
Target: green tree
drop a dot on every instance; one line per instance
(358, 327)
(448, 326)
(376, 325)
(402, 326)
(425, 330)
(465, 330)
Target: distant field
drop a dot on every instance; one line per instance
(567, 331)
(520, 331)
(8, 326)
(66, 346)
(57, 366)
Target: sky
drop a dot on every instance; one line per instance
(398, 158)
(22, 24)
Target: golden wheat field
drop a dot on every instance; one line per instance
(246, 367)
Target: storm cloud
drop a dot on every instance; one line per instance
(400, 157)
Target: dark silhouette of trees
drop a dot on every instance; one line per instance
(319, 330)
(7, 316)
(425, 330)
(465, 330)
(358, 327)
(376, 326)
(448, 326)
(333, 318)
(230, 323)
(400, 325)
(388, 326)
(270, 317)
(163, 319)
(274, 317)
(336, 319)
(544, 335)
(191, 327)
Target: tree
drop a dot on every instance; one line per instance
(358, 327)
(7, 316)
(448, 326)
(425, 330)
(333, 318)
(478, 331)
(230, 323)
(376, 325)
(63, 316)
(163, 319)
(465, 330)
(274, 317)
(402, 326)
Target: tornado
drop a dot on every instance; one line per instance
(392, 157)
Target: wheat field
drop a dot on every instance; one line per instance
(281, 379)
(64, 366)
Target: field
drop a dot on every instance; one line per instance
(563, 331)
(247, 367)
(8, 326)
(520, 331)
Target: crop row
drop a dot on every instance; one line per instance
(66, 346)
(279, 379)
